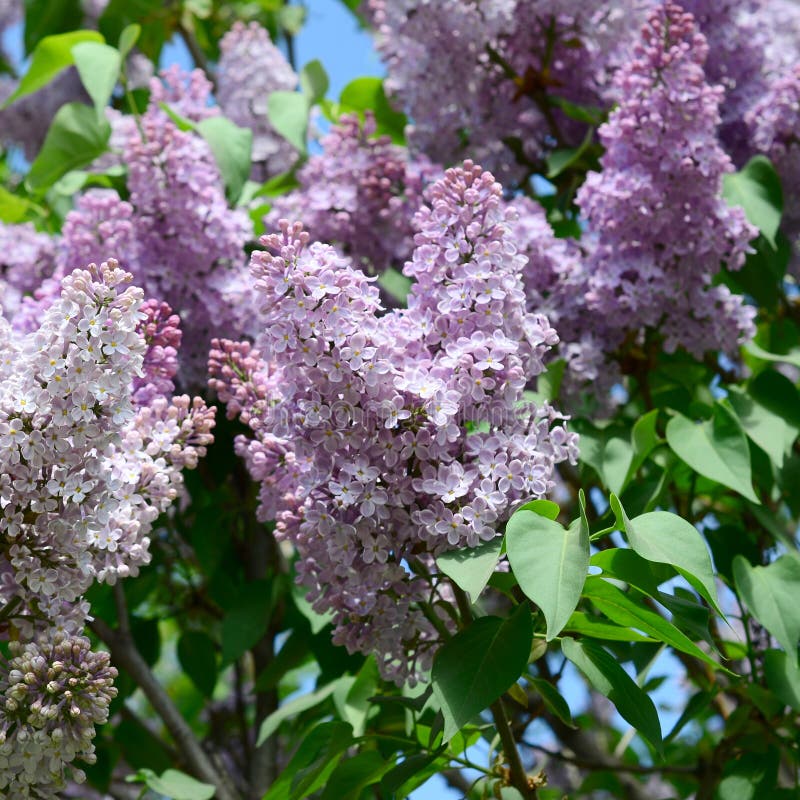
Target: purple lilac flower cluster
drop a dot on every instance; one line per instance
(774, 123)
(91, 452)
(27, 258)
(476, 74)
(250, 69)
(556, 280)
(360, 194)
(383, 440)
(660, 228)
(175, 233)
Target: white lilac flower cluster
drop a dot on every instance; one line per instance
(383, 440)
(84, 472)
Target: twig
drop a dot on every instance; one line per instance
(519, 777)
(197, 54)
(618, 766)
(125, 654)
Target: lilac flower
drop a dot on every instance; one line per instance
(774, 123)
(250, 69)
(371, 465)
(448, 64)
(86, 466)
(53, 693)
(661, 230)
(360, 194)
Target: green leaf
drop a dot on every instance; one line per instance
(477, 665)
(790, 357)
(757, 189)
(292, 709)
(246, 621)
(716, 448)
(627, 565)
(596, 628)
(609, 454)
(776, 393)
(174, 784)
(560, 160)
(471, 567)
(751, 776)
(314, 81)
(698, 703)
(76, 137)
(552, 699)
(355, 774)
(668, 539)
(644, 439)
(771, 594)
(291, 18)
(783, 677)
(161, 20)
(610, 679)
(395, 780)
(550, 563)
(46, 17)
(196, 653)
(127, 39)
(619, 607)
(231, 146)
(356, 705)
(288, 114)
(397, 284)
(52, 55)
(768, 430)
(98, 65)
(593, 115)
(548, 384)
(13, 209)
(544, 508)
(312, 763)
(364, 94)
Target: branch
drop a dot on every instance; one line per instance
(125, 654)
(587, 749)
(636, 769)
(519, 777)
(197, 54)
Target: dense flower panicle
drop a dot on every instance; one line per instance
(52, 694)
(99, 227)
(382, 440)
(90, 454)
(661, 228)
(360, 194)
(27, 258)
(186, 93)
(161, 332)
(250, 69)
(737, 34)
(556, 281)
(190, 244)
(774, 123)
(452, 65)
